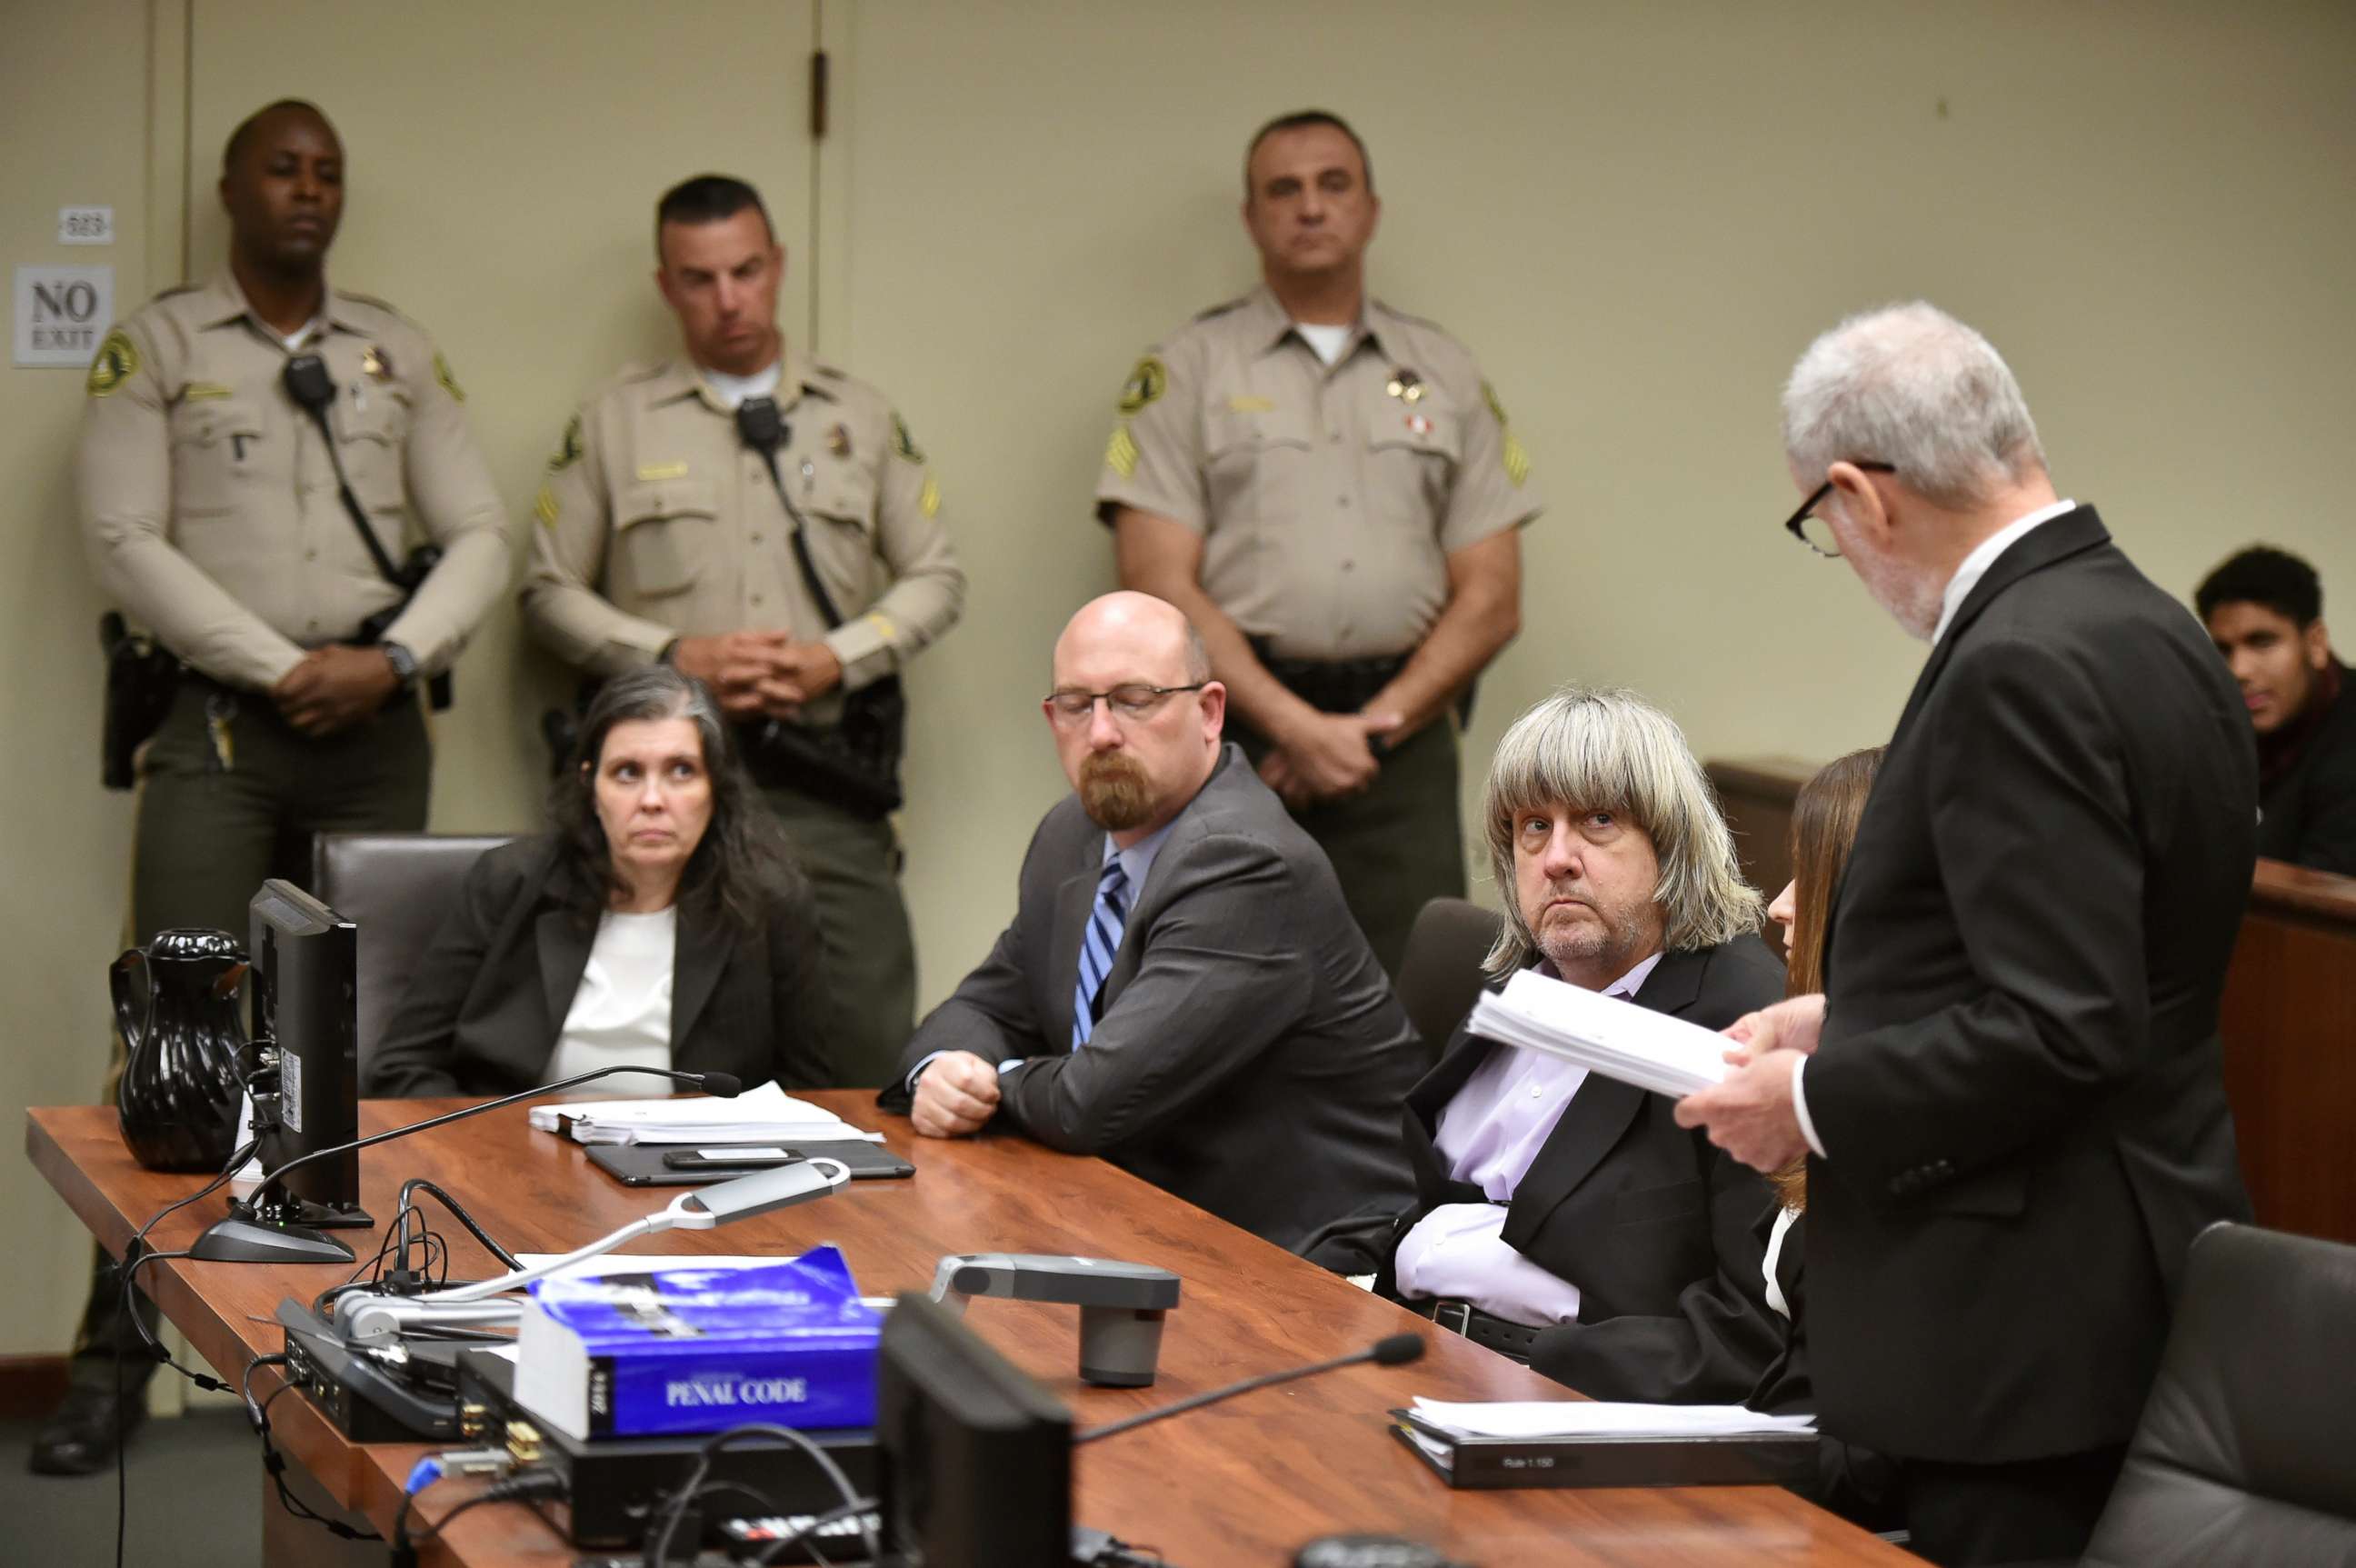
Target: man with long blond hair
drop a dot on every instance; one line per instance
(1562, 1218)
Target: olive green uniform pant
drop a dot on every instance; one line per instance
(867, 965)
(230, 796)
(1397, 845)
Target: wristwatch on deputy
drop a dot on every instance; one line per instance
(403, 663)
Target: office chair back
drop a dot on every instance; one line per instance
(1440, 973)
(2243, 1455)
(398, 888)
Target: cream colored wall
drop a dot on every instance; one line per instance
(1637, 216)
(73, 96)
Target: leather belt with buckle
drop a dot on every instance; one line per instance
(1511, 1340)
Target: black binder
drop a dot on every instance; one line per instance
(1489, 1464)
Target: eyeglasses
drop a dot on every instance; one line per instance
(1814, 532)
(1132, 701)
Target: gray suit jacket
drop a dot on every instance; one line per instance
(1250, 1057)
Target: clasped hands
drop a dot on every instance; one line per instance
(335, 687)
(1751, 1115)
(1323, 757)
(759, 673)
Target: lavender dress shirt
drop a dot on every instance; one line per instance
(1489, 1134)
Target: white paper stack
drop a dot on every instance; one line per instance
(763, 1115)
(1599, 1418)
(1603, 1033)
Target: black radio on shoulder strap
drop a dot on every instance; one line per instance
(312, 390)
(856, 763)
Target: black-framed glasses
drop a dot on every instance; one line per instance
(1132, 700)
(1813, 531)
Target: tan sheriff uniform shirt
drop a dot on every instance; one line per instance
(657, 521)
(1329, 500)
(209, 502)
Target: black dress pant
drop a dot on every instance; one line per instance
(2034, 1511)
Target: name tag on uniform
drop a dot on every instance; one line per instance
(197, 389)
(1241, 404)
(662, 470)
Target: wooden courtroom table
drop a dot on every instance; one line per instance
(1239, 1484)
(2288, 1018)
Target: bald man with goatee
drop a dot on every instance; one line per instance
(1181, 990)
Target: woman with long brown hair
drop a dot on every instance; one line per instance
(1853, 1481)
(1824, 825)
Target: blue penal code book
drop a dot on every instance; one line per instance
(689, 1349)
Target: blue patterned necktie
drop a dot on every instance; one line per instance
(1096, 948)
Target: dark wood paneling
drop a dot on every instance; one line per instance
(1756, 796)
(30, 1385)
(2288, 1018)
(2289, 1025)
(1241, 1484)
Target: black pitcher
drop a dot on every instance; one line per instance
(180, 1090)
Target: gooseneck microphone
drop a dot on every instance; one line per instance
(249, 1235)
(1397, 1350)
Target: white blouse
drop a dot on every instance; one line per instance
(621, 1013)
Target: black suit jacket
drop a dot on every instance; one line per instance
(2018, 1080)
(1854, 1481)
(1249, 1055)
(1657, 1228)
(483, 1015)
(2310, 809)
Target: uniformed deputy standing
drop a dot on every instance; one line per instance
(663, 535)
(210, 511)
(1330, 492)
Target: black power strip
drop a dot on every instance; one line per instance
(359, 1396)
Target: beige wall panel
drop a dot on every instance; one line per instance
(504, 162)
(73, 90)
(1637, 217)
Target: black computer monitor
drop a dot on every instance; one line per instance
(974, 1458)
(307, 1001)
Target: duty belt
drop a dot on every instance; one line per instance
(1331, 685)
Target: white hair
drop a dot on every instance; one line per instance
(1612, 750)
(1911, 386)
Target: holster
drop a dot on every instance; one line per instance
(142, 677)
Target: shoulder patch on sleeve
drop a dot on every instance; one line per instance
(902, 443)
(1147, 381)
(449, 382)
(117, 362)
(1515, 455)
(568, 449)
(1120, 452)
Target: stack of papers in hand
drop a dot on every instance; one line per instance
(1597, 1418)
(763, 1115)
(1603, 1033)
